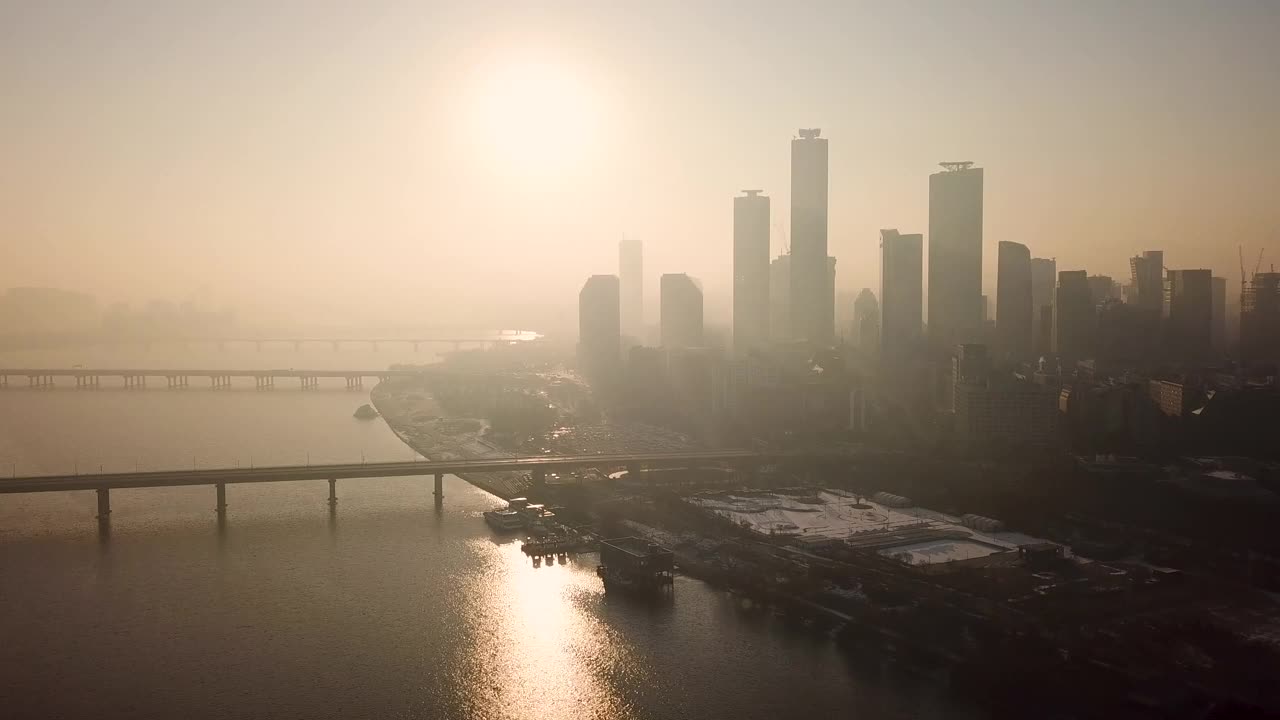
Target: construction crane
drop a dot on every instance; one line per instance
(1259, 263)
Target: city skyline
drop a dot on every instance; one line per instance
(1155, 141)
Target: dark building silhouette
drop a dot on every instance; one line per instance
(812, 306)
(681, 300)
(1128, 335)
(998, 411)
(1147, 278)
(901, 293)
(1044, 281)
(631, 280)
(1102, 288)
(955, 255)
(750, 270)
(780, 298)
(1014, 317)
(1260, 320)
(599, 331)
(1189, 331)
(866, 321)
(1074, 317)
(1219, 331)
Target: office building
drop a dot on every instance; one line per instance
(866, 322)
(955, 255)
(1189, 331)
(1044, 280)
(631, 284)
(681, 300)
(901, 293)
(599, 328)
(1260, 320)
(1074, 317)
(1102, 288)
(1147, 279)
(812, 304)
(1219, 331)
(1014, 324)
(780, 298)
(750, 270)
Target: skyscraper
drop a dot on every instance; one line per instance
(599, 333)
(955, 255)
(1219, 316)
(866, 322)
(631, 278)
(1260, 319)
(1044, 279)
(681, 300)
(780, 298)
(750, 270)
(901, 294)
(812, 306)
(1013, 301)
(1190, 327)
(1147, 277)
(1102, 288)
(1074, 317)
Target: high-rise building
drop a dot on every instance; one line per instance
(1260, 319)
(866, 322)
(1219, 331)
(1074, 317)
(901, 294)
(681, 300)
(1013, 301)
(812, 306)
(1044, 279)
(1147, 273)
(955, 255)
(1102, 288)
(780, 298)
(631, 279)
(599, 331)
(1190, 328)
(750, 270)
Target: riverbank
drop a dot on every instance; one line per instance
(419, 422)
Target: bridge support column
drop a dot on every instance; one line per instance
(439, 491)
(333, 492)
(221, 507)
(4, 381)
(104, 504)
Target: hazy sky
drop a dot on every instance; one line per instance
(414, 157)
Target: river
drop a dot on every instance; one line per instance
(386, 607)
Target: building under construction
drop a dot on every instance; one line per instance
(1260, 319)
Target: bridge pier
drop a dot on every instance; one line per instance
(333, 492)
(177, 381)
(439, 490)
(355, 382)
(221, 507)
(297, 345)
(264, 382)
(104, 504)
(415, 346)
(218, 382)
(4, 381)
(309, 383)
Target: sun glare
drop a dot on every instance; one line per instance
(536, 118)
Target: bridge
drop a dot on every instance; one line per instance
(258, 341)
(219, 379)
(537, 466)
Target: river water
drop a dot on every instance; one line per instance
(385, 608)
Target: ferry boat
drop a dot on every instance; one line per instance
(512, 517)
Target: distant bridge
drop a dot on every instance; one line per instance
(220, 342)
(136, 378)
(537, 466)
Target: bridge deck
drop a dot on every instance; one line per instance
(284, 473)
(211, 372)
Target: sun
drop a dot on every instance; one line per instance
(536, 118)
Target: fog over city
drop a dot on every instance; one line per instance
(378, 159)
(650, 361)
